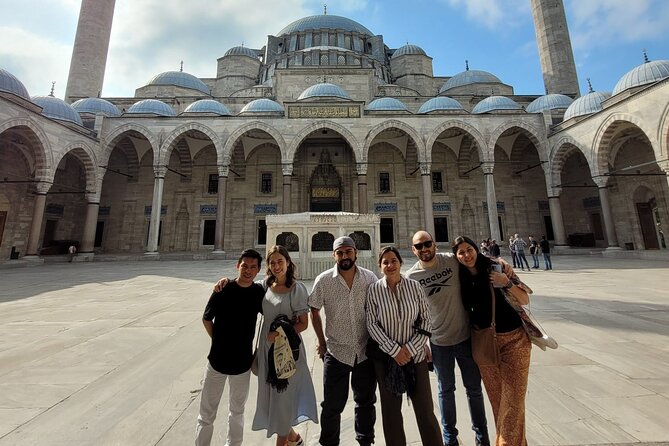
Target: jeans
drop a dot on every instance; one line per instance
(547, 261)
(535, 259)
(335, 393)
(521, 258)
(212, 389)
(443, 358)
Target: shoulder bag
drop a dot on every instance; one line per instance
(484, 341)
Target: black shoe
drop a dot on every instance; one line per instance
(483, 443)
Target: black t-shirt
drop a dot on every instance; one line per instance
(477, 302)
(234, 311)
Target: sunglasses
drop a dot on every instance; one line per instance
(427, 244)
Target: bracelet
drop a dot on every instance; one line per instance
(508, 285)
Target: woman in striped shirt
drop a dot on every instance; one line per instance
(398, 320)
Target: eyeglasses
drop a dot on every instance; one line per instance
(426, 243)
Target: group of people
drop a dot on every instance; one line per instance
(517, 247)
(383, 334)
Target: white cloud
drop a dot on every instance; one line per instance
(493, 14)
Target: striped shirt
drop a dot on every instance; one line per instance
(391, 317)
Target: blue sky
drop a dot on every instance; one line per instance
(153, 36)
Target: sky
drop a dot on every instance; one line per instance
(152, 36)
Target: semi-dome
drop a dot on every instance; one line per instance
(57, 109)
(644, 74)
(11, 84)
(495, 103)
(387, 104)
(262, 106)
(151, 107)
(241, 51)
(96, 106)
(208, 106)
(586, 105)
(324, 90)
(179, 79)
(469, 77)
(407, 50)
(440, 103)
(549, 102)
(324, 21)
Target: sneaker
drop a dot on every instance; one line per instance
(545, 341)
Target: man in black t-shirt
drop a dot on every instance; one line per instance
(230, 320)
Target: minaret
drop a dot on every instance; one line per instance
(89, 55)
(557, 57)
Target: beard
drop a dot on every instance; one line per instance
(426, 256)
(346, 264)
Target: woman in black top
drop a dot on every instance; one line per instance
(506, 383)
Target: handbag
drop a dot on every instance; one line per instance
(485, 349)
(254, 362)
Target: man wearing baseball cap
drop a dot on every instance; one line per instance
(340, 292)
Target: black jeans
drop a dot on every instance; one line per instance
(335, 394)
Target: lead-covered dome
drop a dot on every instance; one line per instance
(11, 84)
(324, 90)
(586, 105)
(241, 51)
(644, 74)
(408, 49)
(96, 106)
(151, 107)
(208, 106)
(179, 79)
(262, 106)
(57, 109)
(440, 103)
(324, 21)
(549, 102)
(387, 104)
(469, 77)
(496, 103)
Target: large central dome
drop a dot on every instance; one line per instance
(324, 21)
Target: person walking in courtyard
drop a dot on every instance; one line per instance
(71, 252)
(341, 293)
(450, 342)
(519, 246)
(230, 321)
(506, 382)
(546, 252)
(534, 252)
(512, 249)
(398, 321)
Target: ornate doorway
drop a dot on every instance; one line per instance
(325, 186)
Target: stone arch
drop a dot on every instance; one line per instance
(393, 123)
(174, 135)
(663, 133)
(532, 134)
(325, 124)
(225, 156)
(471, 130)
(85, 154)
(110, 140)
(43, 156)
(607, 129)
(560, 152)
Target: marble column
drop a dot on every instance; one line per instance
(287, 169)
(362, 188)
(219, 237)
(558, 222)
(491, 199)
(90, 225)
(156, 205)
(426, 179)
(609, 224)
(38, 217)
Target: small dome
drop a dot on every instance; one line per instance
(387, 104)
(11, 84)
(152, 107)
(262, 106)
(494, 103)
(549, 102)
(586, 105)
(440, 103)
(179, 79)
(241, 51)
(208, 106)
(469, 77)
(646, 73)
(408, 49)
(58, 109)
(324, 21)
(324, 90)
(96, 106)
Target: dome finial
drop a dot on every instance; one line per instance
(466, 65)
(181, 68)
(590, 90)
(325, 9)
(645, 56)
(53, 85)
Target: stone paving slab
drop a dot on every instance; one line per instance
(112, 353)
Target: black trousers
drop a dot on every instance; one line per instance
(335, 394)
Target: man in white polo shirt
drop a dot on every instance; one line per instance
(340, 292)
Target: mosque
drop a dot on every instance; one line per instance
(326, 117)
